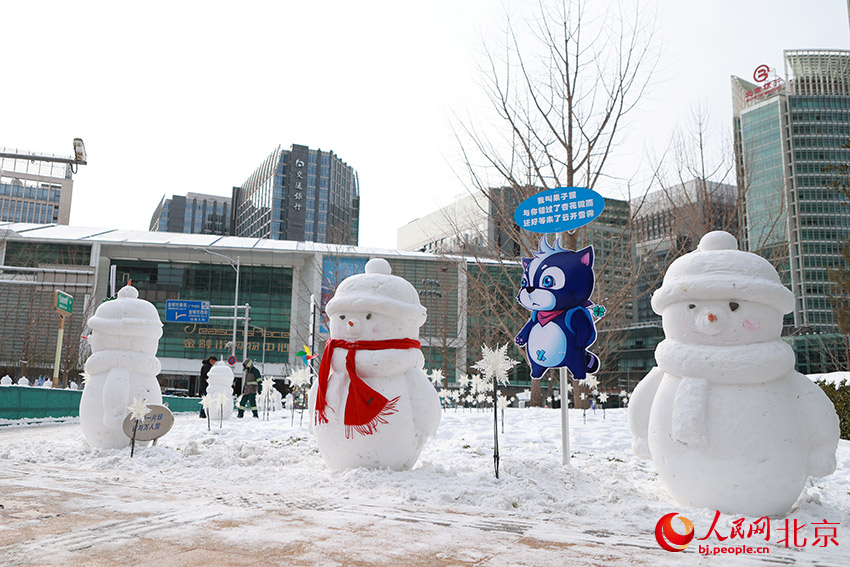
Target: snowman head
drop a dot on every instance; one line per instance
(720, 295)
(126, 323)
(375, 305)
(719, 322)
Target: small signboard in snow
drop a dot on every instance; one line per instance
(559, 210)
(156, 424)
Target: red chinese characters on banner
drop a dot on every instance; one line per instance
(789, 532)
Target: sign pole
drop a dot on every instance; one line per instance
(564, 378)
(64, 305)
(58, 351)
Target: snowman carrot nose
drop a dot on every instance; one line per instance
(711, 317)
(351, 323)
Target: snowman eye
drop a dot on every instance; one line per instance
(733, 306)
(368, 316)
(342, 317)
(692, 306)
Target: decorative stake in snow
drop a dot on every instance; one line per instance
(223, 401)
(267, 396)
(206, 403)
(603, 398)
(436, 377)
(496, 364)
(138, 411)
(299, 381)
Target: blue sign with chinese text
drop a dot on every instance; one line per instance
(559, 210)
(186, 311)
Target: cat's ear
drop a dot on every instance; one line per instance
(525, 263)
(586, 256)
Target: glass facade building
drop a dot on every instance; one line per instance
(34, 191)
(299, 194)
(193, 213)
(279, 280)
(789, 135)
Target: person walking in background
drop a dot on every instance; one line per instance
(250, 388)
(202, 381)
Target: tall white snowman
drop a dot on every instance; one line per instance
(372, 405)
(220, 391)
(729, 423)
(123, 366)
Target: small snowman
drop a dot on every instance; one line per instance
(729, 423)
(122, 367)
(220, 389)
(372, 405)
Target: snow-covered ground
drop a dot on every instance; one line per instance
(257, 493)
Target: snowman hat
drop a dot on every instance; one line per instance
(127, 316)
(717, 270)
(377, 290)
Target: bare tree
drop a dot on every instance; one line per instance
(560, 101)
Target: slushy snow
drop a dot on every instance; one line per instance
(260, 488)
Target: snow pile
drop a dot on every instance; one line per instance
(608, 502)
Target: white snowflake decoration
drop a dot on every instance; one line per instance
(138, 409)
(206, 401)
(268, 388)
(436, 377)
(478, 383)
(603, 397)
(221, 399)
(495, 363)
(591, 381)
(300, 377)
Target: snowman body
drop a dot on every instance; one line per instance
(397, 435)
(122, 367)
(729, 423)
(220, 387)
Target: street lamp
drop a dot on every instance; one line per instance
(235, 266)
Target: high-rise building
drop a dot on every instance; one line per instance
(194, 213)
(299, 194)
(35, 191)
(789, 134)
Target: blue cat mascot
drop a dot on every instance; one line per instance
(556, 287)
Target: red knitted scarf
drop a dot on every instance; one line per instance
(365, 408)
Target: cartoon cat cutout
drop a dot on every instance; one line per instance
(556, 288)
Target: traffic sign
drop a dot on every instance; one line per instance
(186, 311)
(559, 210)
(63, 302)
(231, 360)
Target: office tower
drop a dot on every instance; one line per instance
(194, 213)
(34, 191)
(789, 136)
(299, 194)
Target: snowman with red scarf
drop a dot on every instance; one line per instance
(372, 405)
